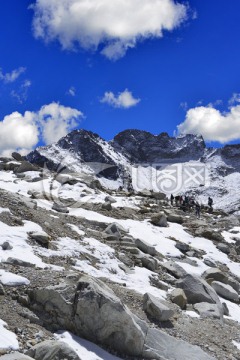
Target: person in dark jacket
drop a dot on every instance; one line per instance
(197, 209)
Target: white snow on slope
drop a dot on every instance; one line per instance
(8, 340)
(86, 350)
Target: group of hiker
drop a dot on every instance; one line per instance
(187, 203)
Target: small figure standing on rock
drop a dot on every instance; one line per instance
(197, 209)
(210, 202)
(171, 199)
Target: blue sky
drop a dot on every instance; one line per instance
(160, 66)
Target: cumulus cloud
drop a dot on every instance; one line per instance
(12, 76)
(18, 131)
(114, 25)
(123, 100)
(22, 132)
(212, 123)
(56, 121)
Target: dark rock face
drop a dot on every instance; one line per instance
(88, 148)
(141, 146)
(134, 146)
(231, 155)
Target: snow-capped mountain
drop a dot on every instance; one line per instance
(144, 158)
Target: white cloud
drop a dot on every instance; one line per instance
(212, 124)
(21, 93)
(235, 99)
(123, 100)
(23, 132)
(71, 91)
(12, 76)
(18, 131)
(57, 120)
(116, 25)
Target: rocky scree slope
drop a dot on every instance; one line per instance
(132, 274)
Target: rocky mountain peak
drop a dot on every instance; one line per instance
(142, 146)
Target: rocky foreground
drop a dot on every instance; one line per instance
(128, 272)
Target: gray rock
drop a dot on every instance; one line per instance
(6, 246)
(155, 308)
(148, 261)
(145, 247)
(159, 219)
(41, 237)
(17, 156)
(224, 248)
(115, 230)
(18, 262)
(224, 290)
(2, 291)
(182, 247)
(233, 283)
(209, 234)
(89, 309)
(158, 195)
(110, 199)
(225, 309)
(175, 218)
(209, 262)
(52, 350)
(161, 346)
(197, 290)
(60, 208)
(26, 166)
(107, 206)
(15, 356)
(178, 297)
(174, 269)
(205, 309)
(214, 273)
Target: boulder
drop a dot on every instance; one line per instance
(155, 308)
(41, 237)
(197, 290)
(161, 346)
(233, 283)
(60, 208)
(148, 261)
(26, 166)
(174, 269)
(52, 350)
(209, 262)
(145, 247)
(17, 156)
(89, 309)
(224, 290)
(6, 246)
(107, 206)
(225, 309)
(224, 248)
(209, 234)
(158, 195)
(18, 262)
(115, 230)
(215, 274)
(159, 219)
(175, 218)
(205, 309)
(178, 297)
(182, 247)
(110, 199)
